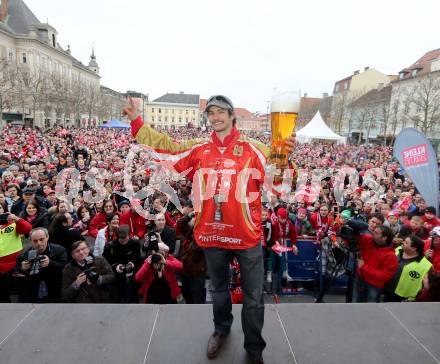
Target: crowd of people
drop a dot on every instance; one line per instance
(91, 242)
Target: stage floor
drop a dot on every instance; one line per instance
(296, 333)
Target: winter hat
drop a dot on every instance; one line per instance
(282, 213)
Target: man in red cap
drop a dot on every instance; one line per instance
(228, 222)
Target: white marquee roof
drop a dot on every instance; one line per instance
(317, 129)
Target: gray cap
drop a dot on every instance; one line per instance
(220, 101)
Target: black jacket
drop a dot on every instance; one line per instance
(65, 237)
(42, 219)
(116, 253)
(168, 236)
(18, 205)
(51, 275)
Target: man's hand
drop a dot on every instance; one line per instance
(80, 279)
(12, 218)
(428, 254)
(290, 142)
(119, 268)
(295, 249)
(25, 265)
(45, 261)
(360, 263)
(131, 109)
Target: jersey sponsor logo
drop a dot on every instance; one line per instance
(218, 238)
(414, 274)
(7, 230)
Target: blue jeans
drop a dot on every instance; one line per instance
(364, 292)
(252, 275)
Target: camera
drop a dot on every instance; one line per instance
(127, 269)
(350, 235)
(4, 219)
(90, 270)
(35, 259)
(155, 259)
(152, 241)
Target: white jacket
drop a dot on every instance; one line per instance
(100, 241)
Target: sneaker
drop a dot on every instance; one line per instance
(269, 277)
(289, 278)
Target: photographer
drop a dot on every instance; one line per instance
(378, 262)
(160, 233)
(123, 254)
(42, 265)
(86, 279)
(11, 227)
(159, 284)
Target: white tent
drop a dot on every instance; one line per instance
(317, 129)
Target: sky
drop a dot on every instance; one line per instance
(241, 48)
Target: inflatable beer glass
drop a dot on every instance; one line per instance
(283, 112)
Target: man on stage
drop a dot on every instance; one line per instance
(227, 171)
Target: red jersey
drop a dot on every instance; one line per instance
(281, 232)
(227, 177)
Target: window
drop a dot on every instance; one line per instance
(414, 72)
(160, 119)
(152, 119)
(186, 119)
(152, 109)
(160, 110)
(418, 109)
(186, 112)
(24, 58)
(194, 112)
(11, 56)
(180, 120)
(345, 85)
(406, 111)
(172, 119)
(166, 118)
(172, 111)
(53, 40)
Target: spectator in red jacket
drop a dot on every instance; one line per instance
(130, 217)
(283, 229)
(159, 284)
(430, 221)
(321, 221)
(432, 248)
(377, 265)
(416, 227)
(431, 288)
(99, 221)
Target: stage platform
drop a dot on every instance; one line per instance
(296, 333)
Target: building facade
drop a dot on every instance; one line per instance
(349, 89)
(30, 49)
(415, 98)
(174, 111)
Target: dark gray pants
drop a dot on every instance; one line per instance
(252, 275)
